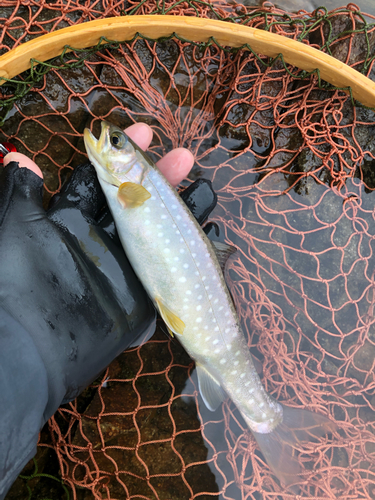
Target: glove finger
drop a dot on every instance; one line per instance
(82, 192)
(21, 192)
(200, 198)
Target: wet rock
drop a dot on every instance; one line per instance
(136, 426)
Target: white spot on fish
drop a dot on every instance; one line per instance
(160, 235)
(193, 255)
(207, 338)
(198, 308)
(173, 269)
(176, 259)
(247, 383)
(199, 297)
(147, 209)
(195, 328)
(177, 232)
(174, 206)
(186, 300)
(189, 231)
(250, 401)
(159, 226)
(216, 341)
(216, 351)
(236, 363)
(167, 241)
(147, 222)
(227, 313)
(198, 320)
(199, 335)
(196, 286)
(216, 329)
(182, 250)
(206, 254)
(216, 301)
(238, 353)
(167, 250)
(261, 405)
(227, 330)
(210, 297)
(206, 327)
(238, 390)
(222, 361)
(192, 243)
(188, 292)
(185, 307)
(186, 266)
(181, 240)
(234, 372)
(221, 308)
(182, 279)
(204, 278)
(178, 217)
(243, 375)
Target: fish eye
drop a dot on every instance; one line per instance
(118, 140)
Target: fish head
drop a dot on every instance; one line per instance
(112, 155)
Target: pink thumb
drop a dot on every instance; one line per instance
(24, 162)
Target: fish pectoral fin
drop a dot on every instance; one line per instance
(211, 391)
(223, 252)
(173, 322)
(132, 195)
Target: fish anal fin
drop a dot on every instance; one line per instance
(132, 195)
(279, 445)
(173, 322)
(212, 393)
(223, 252)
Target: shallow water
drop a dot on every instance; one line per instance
(302, 279)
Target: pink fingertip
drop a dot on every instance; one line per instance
(141, 134)
(23, 162)
(176, 165)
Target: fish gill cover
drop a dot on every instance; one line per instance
(292, 161)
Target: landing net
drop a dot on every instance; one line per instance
(292, 160)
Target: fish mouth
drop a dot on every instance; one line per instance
(95, 147)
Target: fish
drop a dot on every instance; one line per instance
(182, 272)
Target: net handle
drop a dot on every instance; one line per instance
(120, 29)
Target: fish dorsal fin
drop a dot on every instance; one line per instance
(212, 393)
(223, 252)
(173, 322)
(132, 195)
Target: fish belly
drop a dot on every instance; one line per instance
(177, 265)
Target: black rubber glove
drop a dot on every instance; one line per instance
(69, 301)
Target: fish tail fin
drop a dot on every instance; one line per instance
(279, 445)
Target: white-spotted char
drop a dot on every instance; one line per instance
(178, 267)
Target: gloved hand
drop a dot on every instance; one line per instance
(69, 300)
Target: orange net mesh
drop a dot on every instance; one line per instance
(292, 162)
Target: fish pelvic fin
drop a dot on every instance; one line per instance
(173, 322)
(211, 391)
(132, 195)
(279, 446)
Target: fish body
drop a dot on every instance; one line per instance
(178, 267)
